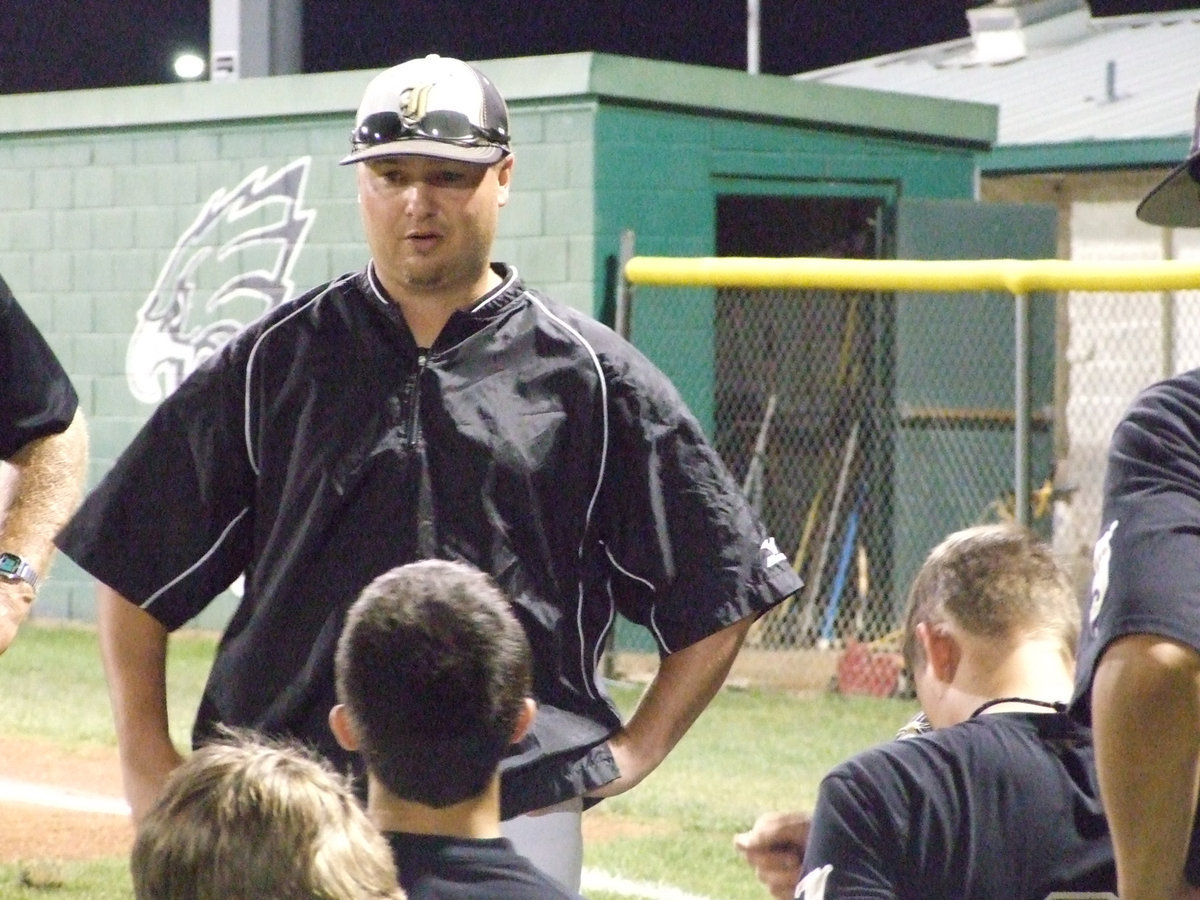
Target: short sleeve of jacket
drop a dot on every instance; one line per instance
(36, 396)
(850, 834)
(1146, 573)
(169, 526)
(691, 555)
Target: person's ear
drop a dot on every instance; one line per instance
(504, 170)
(941, 650)
(525, 719)
(342, 727)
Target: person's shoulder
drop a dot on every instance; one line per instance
(1171, 400)
(1186, 382)
(618, 356)
(879, 764)
(563, 314)
(322, 299)
(526, 880)
(1002, 746)
(1160, 430)
(977, 742)
(336, 302)
(442, 865)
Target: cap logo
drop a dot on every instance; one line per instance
(414, 102)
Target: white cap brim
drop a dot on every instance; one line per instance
(485, 156)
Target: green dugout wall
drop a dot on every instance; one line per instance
(228, 198)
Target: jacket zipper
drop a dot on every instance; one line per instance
(414, 398)
(426, 528)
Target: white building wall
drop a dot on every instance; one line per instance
(1117, 344)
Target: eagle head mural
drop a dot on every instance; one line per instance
(232, 264)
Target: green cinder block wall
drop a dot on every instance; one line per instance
(99, 189)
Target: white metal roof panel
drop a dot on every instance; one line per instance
(1061, 93)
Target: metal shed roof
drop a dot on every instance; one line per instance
(1116, 78)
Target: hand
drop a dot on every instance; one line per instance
(774, 848)
(15, 600)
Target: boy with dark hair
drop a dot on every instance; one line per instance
(434, 678)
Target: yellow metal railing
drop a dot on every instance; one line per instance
(1019, 277)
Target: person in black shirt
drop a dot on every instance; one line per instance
(1000, 799)
(434, 676)
(1138, 681)
(43, 440)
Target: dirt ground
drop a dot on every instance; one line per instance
(30, 832)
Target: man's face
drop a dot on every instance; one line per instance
(430, 224)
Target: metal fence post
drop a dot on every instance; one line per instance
(624, 291)
(1022, 429)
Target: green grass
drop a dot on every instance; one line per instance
(104, 879)
(751, 751)
(52, 688)
(52, 685)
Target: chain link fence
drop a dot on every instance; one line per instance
(859, 454)
(866, 425)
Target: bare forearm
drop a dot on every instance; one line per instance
(684, 685)
(133, 645)
(41, 486)
(1146, 718)
(49, 474)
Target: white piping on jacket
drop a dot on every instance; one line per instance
(198, 563)
(587, 677)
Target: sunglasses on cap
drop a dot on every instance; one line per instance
(447, 126)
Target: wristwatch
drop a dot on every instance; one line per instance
(13, 568)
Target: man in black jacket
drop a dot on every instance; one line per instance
(429, 406)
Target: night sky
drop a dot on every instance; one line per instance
(64, 44)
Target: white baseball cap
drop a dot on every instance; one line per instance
(435, 106)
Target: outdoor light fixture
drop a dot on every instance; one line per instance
(189, 66)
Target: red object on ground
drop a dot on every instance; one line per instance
(862, 670)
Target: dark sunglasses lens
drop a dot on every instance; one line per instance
(441, 125)
(447, 125)
(379, 128)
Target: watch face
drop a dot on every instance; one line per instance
(10, 564)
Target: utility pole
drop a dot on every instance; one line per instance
(254, 38)
(752, 34)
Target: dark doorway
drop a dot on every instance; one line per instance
(799, 388)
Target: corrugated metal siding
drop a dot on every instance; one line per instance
(1058, 93)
